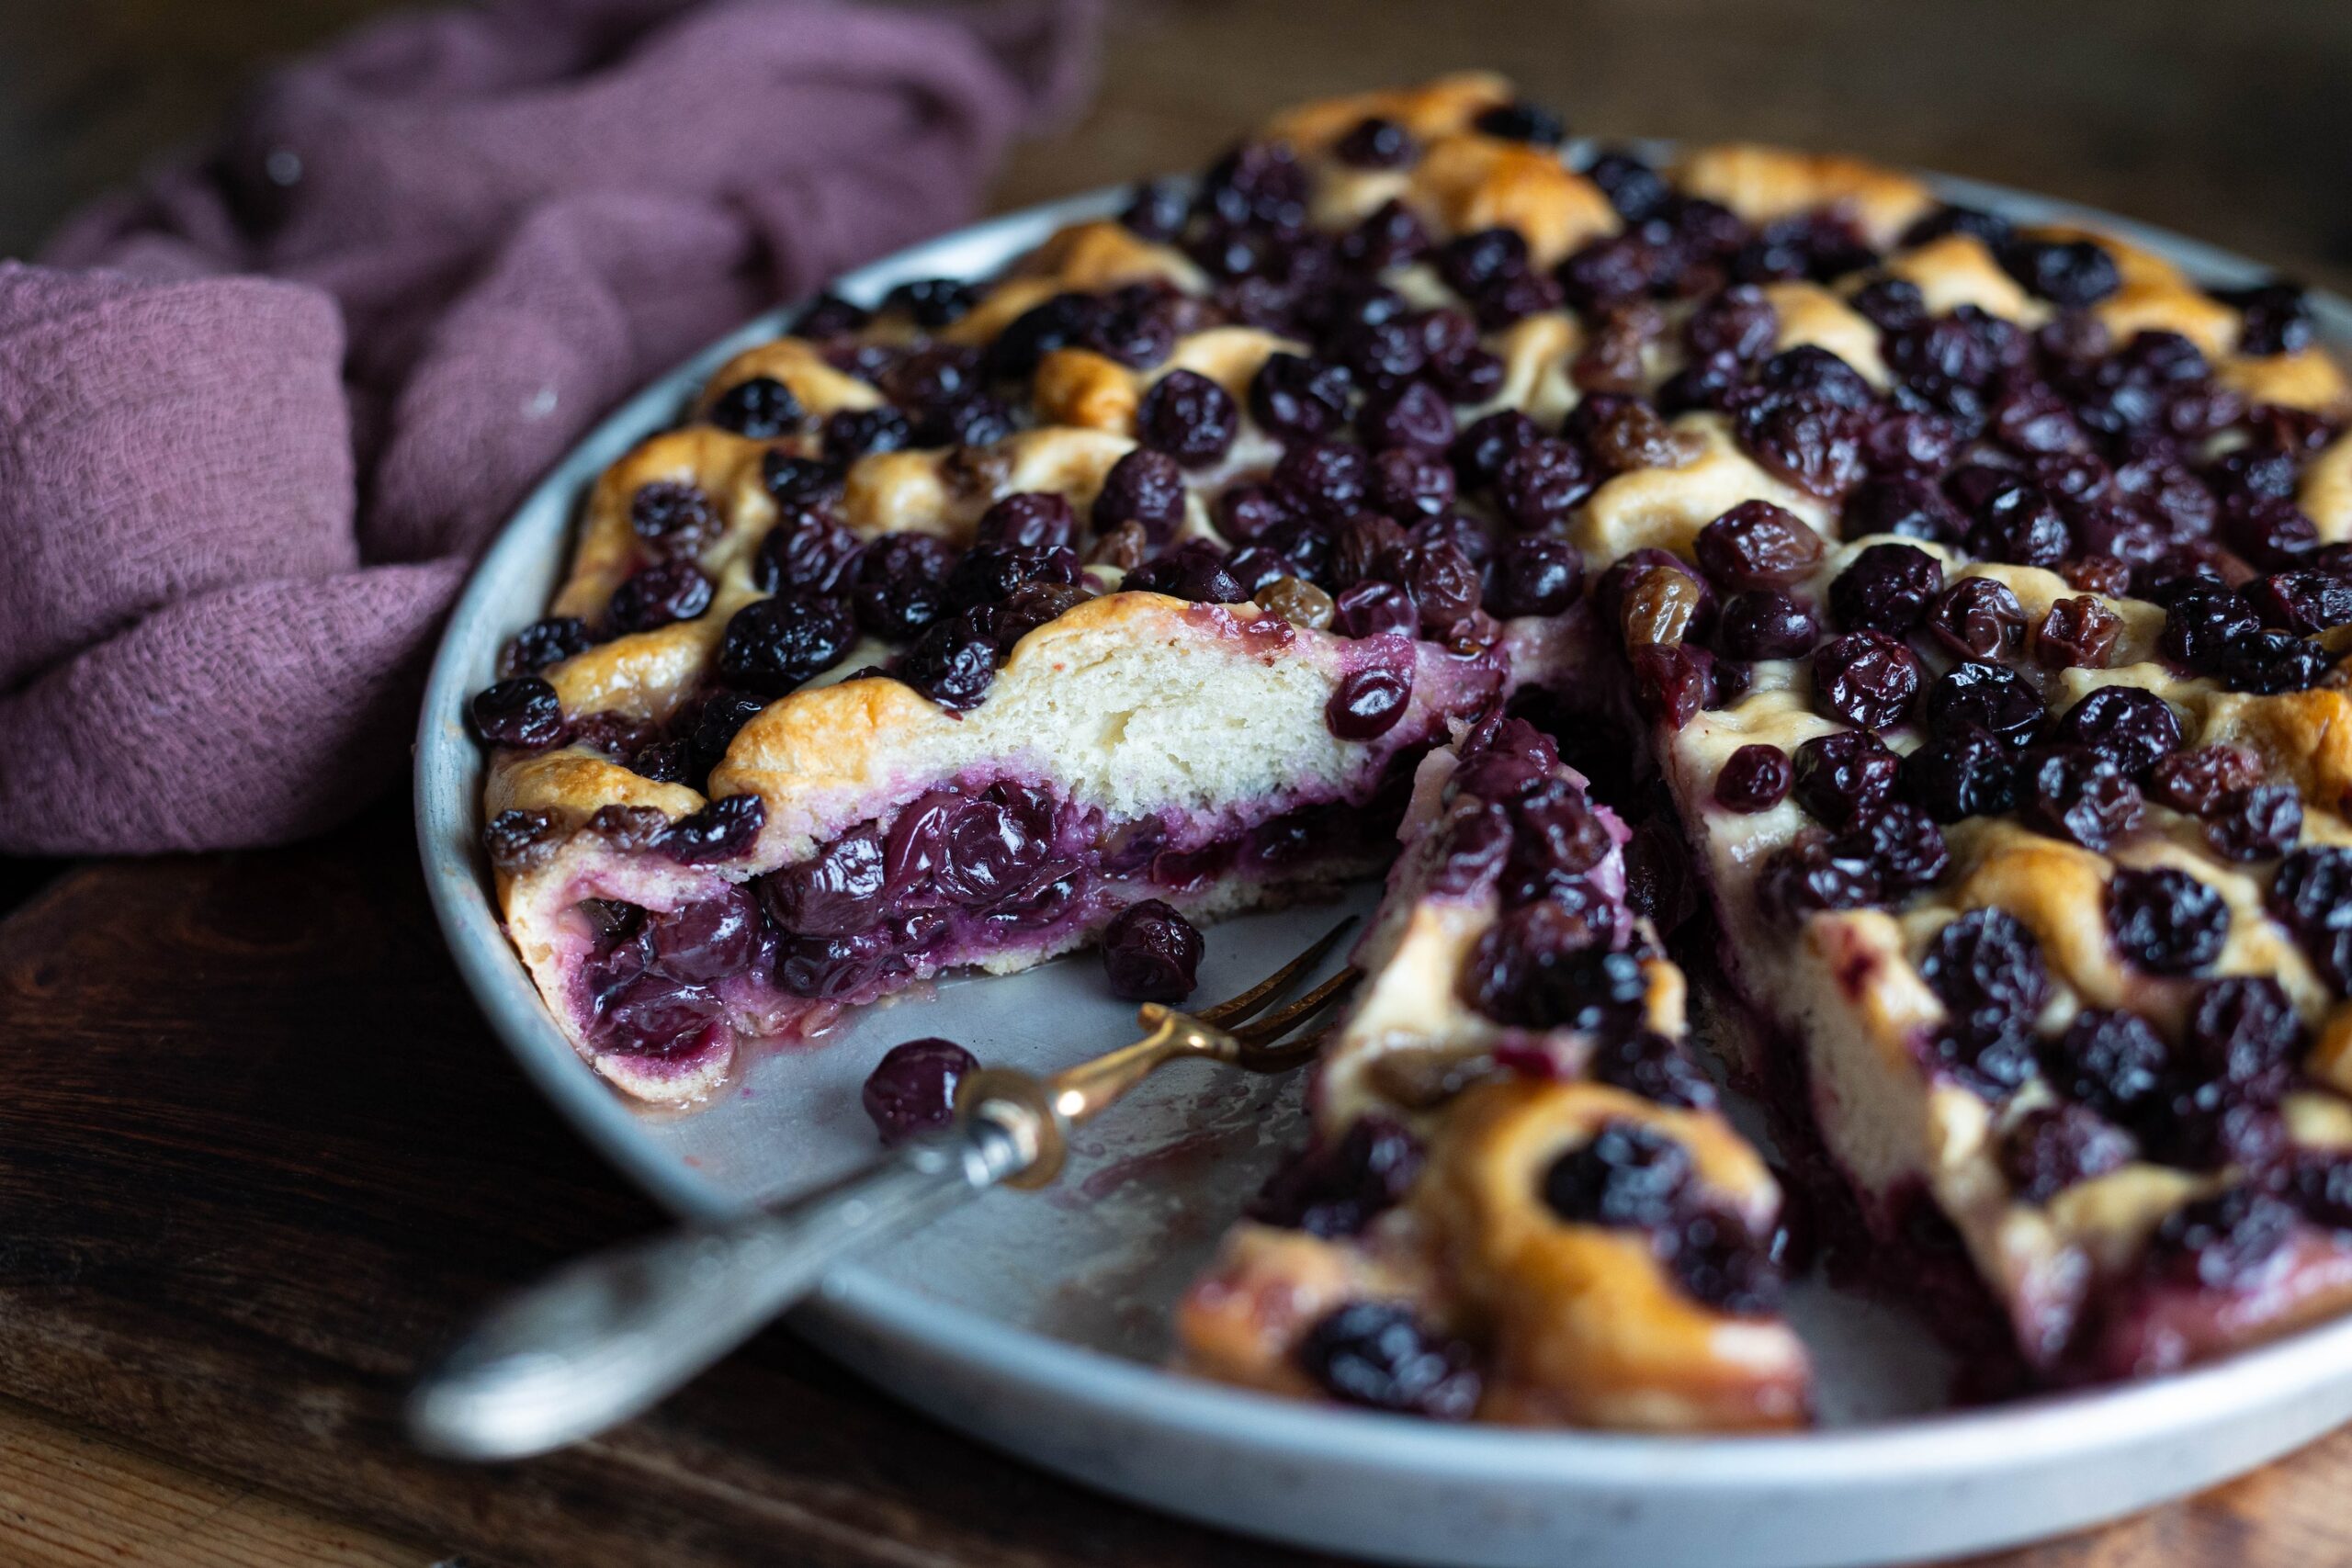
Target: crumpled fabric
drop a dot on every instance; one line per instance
(258, 416)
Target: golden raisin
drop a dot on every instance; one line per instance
(1660, 603)
(1298, 601)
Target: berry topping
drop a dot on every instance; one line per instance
(773, 646)
(1540, 967)
(1535, 575)
(518, 839)
(2112, 1062)
(1378, 1355)
(1865, 678)
(2078, 794)
(2052, 1149)
(762, 408)
(1336, 1189)
(1961, 772)
(2228, 1241)
(2078, 633)
(1757, 545)
(2256, 823)
(1189, 417)
(523, 713)
(1755, 778)
(912, 1089)
(724, 830)
(674, 520)
(1151, 953)
(543, 643)
(1887, 588)
(1367, 703)
(1627, 1174)
(1763, 623)
(953, 664)
(2166, 922)
(1147, 487)
(662, 594)
(2133, 727)
(2072, 273)
(1845, 776)
(1987, 969)
(1990, 697)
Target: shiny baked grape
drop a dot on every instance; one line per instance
(1627, 1175)
(1757, 545)
(1988, 970)
(1960, 773)
(1535, 575)
(2165, 920)
(516, 840)
(1539, 967)
(2256, 823)
(901, 585)
(1151, 953)
(2071, 273)
(1765, 624)
(953, 663)
(1989, 697)
(1865, 678)
(806, 551)
(1189, 417)
(2056, 1147)
(662, 594)
(2271, 662)
(1379, 1356)
(2244, 1035)
(2078, 794)
(673, 519)
(762, 408)
(523, 713)
(1803, 438)
(543, 643)
(1886, 588)
(2113, 1062)
(723, 830)
(912, 1089)
(1842, 777)
(1809, 875)
(2221, 1243)
(2130, 725)
(1336, 1189)
(773, 646)
(1367, 703)
(1978, 619)
(1755, 778)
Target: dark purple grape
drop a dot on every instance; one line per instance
(523, 713)
(1762, 624)
(1757, 545)
(543, 643)
(1194, 571)
(1808, 367)
(1808, 876)
(1411, 483)
(1959, 774)
(830, 315)
(762, 408)
(1843, 777)
(2112, 1062)
(1480, 451)
(1440, 581)
(901, 585)
(1987, 969)
(1151, 953)
(1540, 967)
(1627, 1175)
(1739, 321)
(2078, 794)
(851, 434)
(1900, 846)
(1754, 778)
(2054, 1148)
(1650, 1065)
(2271, 662)
(1539, 485)
(1720, 1264)
(934, 303)
(2300, 601)
(2202, 622)
(773, 646)
(805, 552)
(707, 941)
(1296, 398)
(1375, 143)
(1886, 588)
(723, 830)
(1034, 519)
(1189, 417)
(1367, 703)
(1803, 438)
(2197, 781)
(1256, 184)
(1990, 697)
(1892, 304)
(1157, 210)
(1535, 575)
(2132, 726)
(799, 481)
(723, 715)
(1865, 678)
(2076, 633)
(2166, 922)
(838, 891)
(518, 839)
(660, 594)
(1335, 1189)
(990, 574)
(1324, 479)
(2071, 273)
(953, 663)
(1904, 504)
(912, 1089)
(2256, 823)
(2223, 1242)
(1521, 120)
(1379, 1356)
(675, 520)
(2244, 1033)
(1146, 488)
(1637, 191)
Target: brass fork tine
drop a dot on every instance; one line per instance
(1234, 1010)
(1261, 1035)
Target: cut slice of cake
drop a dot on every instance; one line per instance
(1522, 1201)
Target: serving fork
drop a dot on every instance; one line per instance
(609, 1336)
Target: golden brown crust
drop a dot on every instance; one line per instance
(1434, 109)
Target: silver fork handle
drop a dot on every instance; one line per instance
(608, 1338)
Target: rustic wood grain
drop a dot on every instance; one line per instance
(259, 1153)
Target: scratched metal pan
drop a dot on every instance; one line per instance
(1036, 1323)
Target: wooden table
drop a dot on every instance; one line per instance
(259, 1152)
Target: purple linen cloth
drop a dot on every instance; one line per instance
(234, 509)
